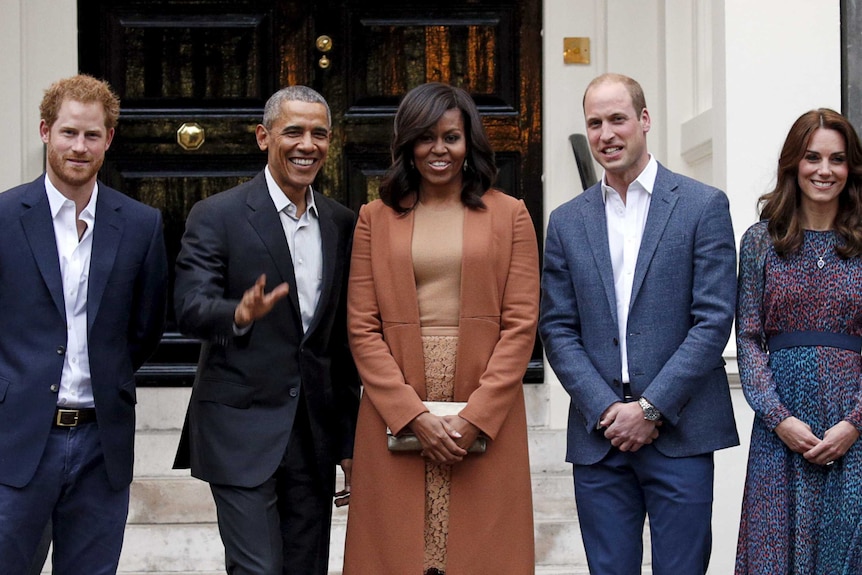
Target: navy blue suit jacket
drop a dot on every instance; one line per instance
(679, 321)
(125, 318)
(247, 388)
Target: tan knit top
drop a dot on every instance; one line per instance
(438, 235)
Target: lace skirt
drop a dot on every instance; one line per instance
(439, 352)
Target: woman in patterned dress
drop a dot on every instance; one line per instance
(442, 305)
(799, 322)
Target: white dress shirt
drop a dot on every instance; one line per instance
(626, 223)
(303, 239)
(76, 388)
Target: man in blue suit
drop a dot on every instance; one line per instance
(83, 276)
(638, 298)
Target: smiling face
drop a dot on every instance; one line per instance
(439, 155)
(296, 146)
(76, 145)
(617, 133)
(822, 171)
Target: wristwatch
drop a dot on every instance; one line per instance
(650, 411)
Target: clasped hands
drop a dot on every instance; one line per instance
(625, 426)
(256, 303)
(797, 435)
(444, 439)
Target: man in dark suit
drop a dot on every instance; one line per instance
(638, 299)
(274, 403)
(83, 276)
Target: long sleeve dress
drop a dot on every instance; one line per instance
(799, 517)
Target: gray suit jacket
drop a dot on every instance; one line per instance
(680, 317)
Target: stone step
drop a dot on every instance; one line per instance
(185, 500)
(172, 526)
(164, 408)
(155, 450)
(171, 529)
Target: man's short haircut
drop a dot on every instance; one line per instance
(81, 88)
(634, 89)
(272, 110)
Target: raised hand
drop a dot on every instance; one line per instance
(255, 303)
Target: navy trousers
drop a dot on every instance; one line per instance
(71, 489)
(615, 495)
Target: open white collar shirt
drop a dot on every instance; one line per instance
(76, 388)
(306, 248)
(626, 223)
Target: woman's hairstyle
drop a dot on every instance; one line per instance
(419, 111)
(81, 88)
(781, 205)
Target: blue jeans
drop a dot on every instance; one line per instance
(71, 488)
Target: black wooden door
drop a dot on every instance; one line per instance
(193, 76)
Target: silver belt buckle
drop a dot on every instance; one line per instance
(63, 421)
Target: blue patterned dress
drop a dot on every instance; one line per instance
(799, 517)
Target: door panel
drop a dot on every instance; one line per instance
(211, 64)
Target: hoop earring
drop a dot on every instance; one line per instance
(412, 165)
(465, 166)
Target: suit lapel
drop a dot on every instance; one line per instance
(264, 219)
(39, 230)
(329, 248)
(107, 232)
(596, 225)
(661, 206)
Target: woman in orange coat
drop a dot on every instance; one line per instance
(442, 305)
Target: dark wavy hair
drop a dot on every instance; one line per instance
(420, 109)
(781, 205)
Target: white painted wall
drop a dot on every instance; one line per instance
(10, 98)
(781, 58)
(38, 39)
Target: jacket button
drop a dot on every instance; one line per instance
(616, 342)
(294, 392)
(61, 350)
(55, 388)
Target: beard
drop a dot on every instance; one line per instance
(69, 174)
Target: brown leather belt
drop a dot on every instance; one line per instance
(74, 417)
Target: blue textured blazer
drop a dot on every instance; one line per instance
(126, 302)
(680, 317)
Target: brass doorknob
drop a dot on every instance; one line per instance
(190, 136)
(324, 43)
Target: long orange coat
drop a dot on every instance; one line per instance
(491, 514)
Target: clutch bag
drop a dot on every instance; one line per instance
(406, 441)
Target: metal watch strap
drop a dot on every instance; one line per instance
(650, 411)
